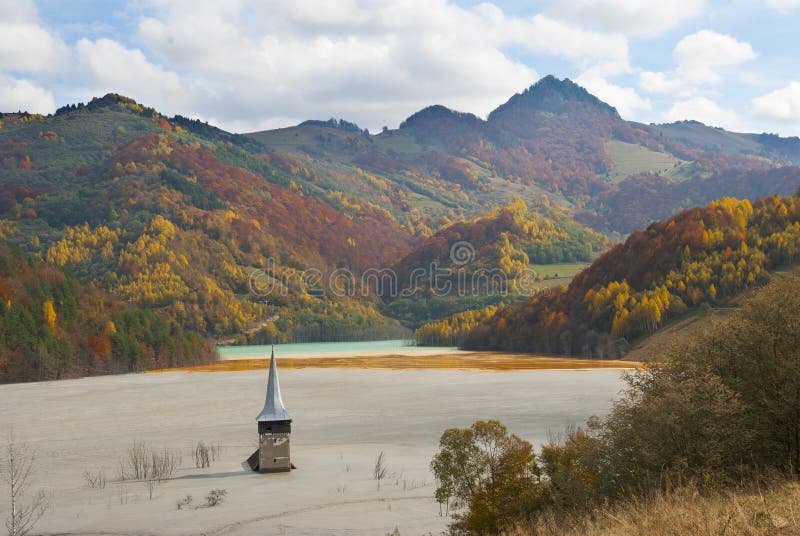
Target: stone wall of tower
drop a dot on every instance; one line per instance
(273, 452)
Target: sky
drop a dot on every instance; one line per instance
(249, 65)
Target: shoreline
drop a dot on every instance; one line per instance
(461, 360)
(410, 351)
(333, 349)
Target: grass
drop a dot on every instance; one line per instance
(630, 159)
(699, 135)
(565, 272)
(398, 141)
(457, 361)
(685, 510)
(287, 139)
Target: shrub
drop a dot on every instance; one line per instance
(202, 455)
(380, 470)
(186, 501)
(144, 463)
(491, 472)
(215, 497)
(95, 479)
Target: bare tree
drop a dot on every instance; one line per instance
(95, 479)
(17, 472)
(136, 465)
(380, 471)
(145, 463)
(163, 464)
(215, 497)
(216, 452)
(202, 455)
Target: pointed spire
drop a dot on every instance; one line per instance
(273, 407)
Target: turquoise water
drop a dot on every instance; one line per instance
(309, 349)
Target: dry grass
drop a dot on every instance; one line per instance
(685, 511)
(630, 159)
(463, 361)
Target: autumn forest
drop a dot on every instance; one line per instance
(130, 240)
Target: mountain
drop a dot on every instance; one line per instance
(485, 261)
(558, 142)
(696, 135)
(234, 237)
(508, 232)
(180, 221)
(553, 96)
(700, 257)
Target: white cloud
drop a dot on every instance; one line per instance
(107, 66)
(23, 95)
(248, 65)
(625, 99)
(703, 59)
(25, 45)
(702, 54)
(636, 17)
(782, 104)
(368, 65)
(18, 11)
(658, 82)
(554, 37)
(372, 63)
(704, 110)
(782, 6)
(247, 62)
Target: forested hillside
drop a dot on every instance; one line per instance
(488, 260)
(554, 140)
(143, 212)
(701, 256)
(52, 326)
(189, 223)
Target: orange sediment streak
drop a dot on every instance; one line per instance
(462, 361)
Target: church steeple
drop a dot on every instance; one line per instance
(274, 409)
(274, 429)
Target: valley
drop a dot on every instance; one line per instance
(288, 235)
(366, 269)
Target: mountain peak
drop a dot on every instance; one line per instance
(555, 96)
(339, 124)
(438, 114)
(109, 100)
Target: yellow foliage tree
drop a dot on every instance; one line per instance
(50, 316)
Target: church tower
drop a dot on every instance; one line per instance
(274, 427)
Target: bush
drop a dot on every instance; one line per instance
(164, 464)
(702, 412)
(756, 354)
(572, 467)
(215, 497)
(205, 454)
(95, 479)
(144, 463)
(379, 470)
(491, 472)
(202, 455)
(186, 501)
